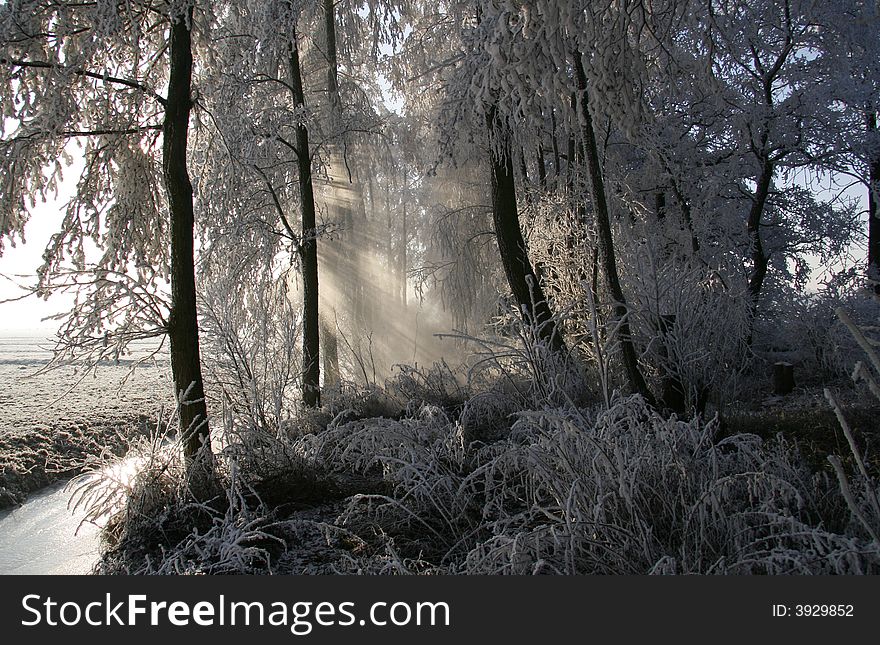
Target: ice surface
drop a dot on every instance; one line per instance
(41, 537)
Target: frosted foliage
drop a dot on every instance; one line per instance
(233, 544)
(693, 326)
(721, 137)
(119, 210)
(462, 262)
(625, 492)
(83, 81)
(860, 489)
(253, 361)
(516, 57)
(127, 497)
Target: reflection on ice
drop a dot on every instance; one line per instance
(44, 537)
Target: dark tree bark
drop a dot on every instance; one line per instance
(753, 225)
(557, 158)
(542, 168)
(605, 239)
(767, 159)
(760, 259)
(525, 181)
(183, 327)
(572, 159)
(523, 168)
(332, 59)
(526, 288)
(686, 214)
(874, 210)
(660, 205)
(309, 247)
(683, 205)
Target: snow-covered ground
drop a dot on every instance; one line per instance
(29, 397)
(50, 421)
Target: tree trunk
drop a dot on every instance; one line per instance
(183, 326)
(524, 284)
(763, 182)
(874, 211)
(685, 207)
(332, 60)
(660, 205)
(542, 168)
(353, 268)
(309, 248)
(557, 160)
(392, 244)
(605, 239)
(524, 169)
(759, 202)
(572, 153)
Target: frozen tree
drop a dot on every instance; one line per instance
(520, 63)
(93, 73)
(253, 107)
(259, 161)
(349, 125)
(481, 125)
(850, 57)
(739, 130)
(704, 119)
(569, 155)
(527, 290)
(309, 247)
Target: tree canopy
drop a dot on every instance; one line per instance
(596, 169)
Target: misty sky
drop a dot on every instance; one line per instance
(26, 315)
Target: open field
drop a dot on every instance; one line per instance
(51, 421)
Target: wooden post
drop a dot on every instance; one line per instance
(783, 378)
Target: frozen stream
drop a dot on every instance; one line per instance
(41, 537)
